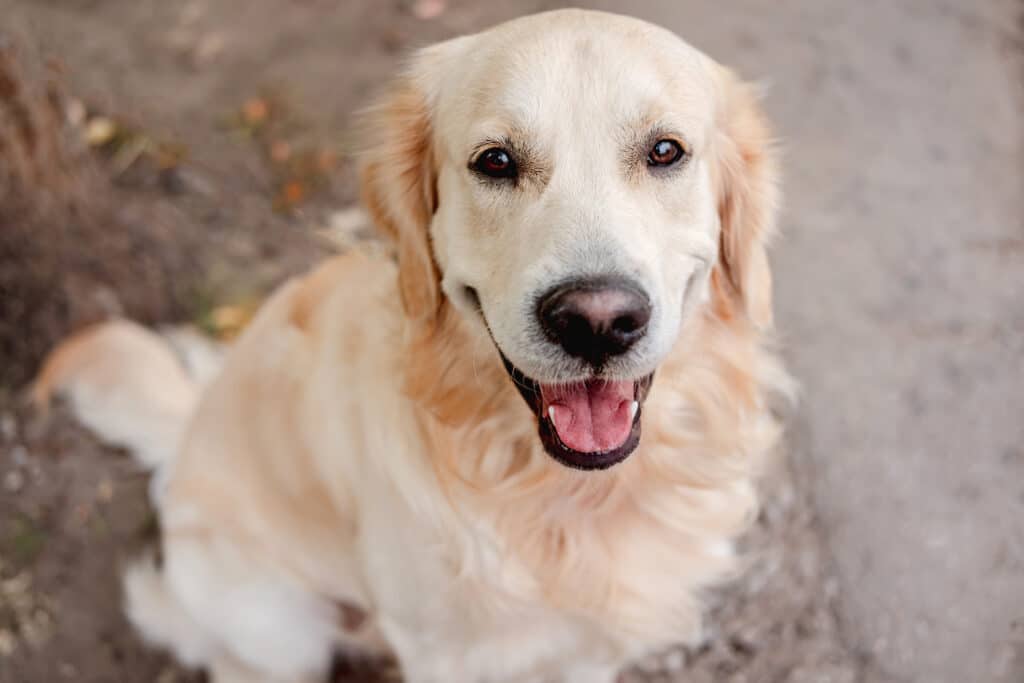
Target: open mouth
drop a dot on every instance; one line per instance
(591, 424)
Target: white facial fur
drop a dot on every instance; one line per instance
(580, 105)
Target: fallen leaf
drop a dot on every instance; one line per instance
(280, 151)
(255, 111)
(327, 160)
(293, 192)
(226, 321)
(133, 148)
(105, 491)
(428, 9)
(100, 130)
(169, 155)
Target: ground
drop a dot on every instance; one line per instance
(891, 545)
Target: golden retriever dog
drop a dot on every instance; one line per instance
(514, 449)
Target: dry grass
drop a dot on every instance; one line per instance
(57, 214)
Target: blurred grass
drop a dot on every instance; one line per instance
(24, 541)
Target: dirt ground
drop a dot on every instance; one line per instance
(229, 157)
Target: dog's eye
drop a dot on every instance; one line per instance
(665, 153)
(496, 163)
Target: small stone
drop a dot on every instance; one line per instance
(208, 49)
(16, 586)
(19, 456)
(75, 113)
(192, 12)
(7, 643)
(8, 426)
(14, 481)
(38, 629)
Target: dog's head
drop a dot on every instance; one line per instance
(578, 185)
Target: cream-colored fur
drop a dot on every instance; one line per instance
(362, 474)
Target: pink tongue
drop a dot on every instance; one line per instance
(590, 417)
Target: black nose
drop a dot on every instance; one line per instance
(595, 319)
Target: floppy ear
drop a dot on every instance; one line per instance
(398, 186)
(745, 176)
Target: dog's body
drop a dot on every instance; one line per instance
(363, 475)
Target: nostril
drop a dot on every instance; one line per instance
(626, 324)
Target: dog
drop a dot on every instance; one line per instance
(518, 447)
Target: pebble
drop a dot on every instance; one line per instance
(19, 456)
(8, 426)
(167, 676)
(7, 643)
(192, 12)
(208, 49)
(76, 113)
(14, 481)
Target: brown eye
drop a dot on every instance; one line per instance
(665, 153)
(496, 163)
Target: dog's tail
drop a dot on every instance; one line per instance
(131, 386)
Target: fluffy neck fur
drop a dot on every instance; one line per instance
(631, 544)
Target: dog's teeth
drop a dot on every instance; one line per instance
(551, 414)
(633, 407)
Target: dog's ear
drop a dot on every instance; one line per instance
(745, 176)
(398, 186)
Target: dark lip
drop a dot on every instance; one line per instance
(529, 389)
